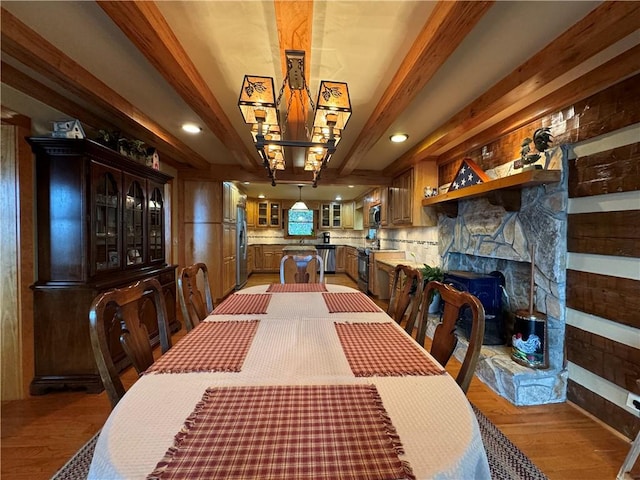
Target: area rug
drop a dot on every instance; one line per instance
(506, 461)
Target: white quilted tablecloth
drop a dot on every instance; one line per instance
(296, 344)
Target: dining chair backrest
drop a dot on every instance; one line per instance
(120, 310)
(406, 290)
(193, 306)
(301, 269)
(444, 337)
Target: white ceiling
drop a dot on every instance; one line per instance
(360, 42)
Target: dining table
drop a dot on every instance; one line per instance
(293, 381)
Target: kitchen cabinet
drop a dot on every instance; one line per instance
(251, 207)
(101, 225)
(340, 259)
(250, 259)
(406, 194)
(268, 214)
(401, 199)
(351, 254)
(378, 286)
(267, 258)
(384, 206)
(348, 209)
(330, 215)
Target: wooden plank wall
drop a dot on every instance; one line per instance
(603, 277)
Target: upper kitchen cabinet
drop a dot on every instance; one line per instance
(337, 215)
(348, 211)
(406, 193)
(330, 215)
(232, 198)
(268, 214)
(100, 225)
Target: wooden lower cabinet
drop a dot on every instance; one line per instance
(62, 344)
(341, 260)
(267, 258)
(351, 254)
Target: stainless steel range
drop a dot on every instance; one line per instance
(363, 269)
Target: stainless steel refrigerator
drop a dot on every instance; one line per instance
(241, 250)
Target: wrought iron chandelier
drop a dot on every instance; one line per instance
(261, 110)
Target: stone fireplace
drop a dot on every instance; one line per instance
(484, 238)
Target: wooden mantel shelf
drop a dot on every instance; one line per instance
(503, 191)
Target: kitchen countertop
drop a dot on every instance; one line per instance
(393, 262)
(299, 248)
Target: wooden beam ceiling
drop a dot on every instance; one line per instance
(446, 28)
(147, 29)
(601, 28)
(29, 48)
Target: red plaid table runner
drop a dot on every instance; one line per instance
(379, 349)
(296, 287)
(349, 302)
(238, 304)
(210, 347)
(320, 432)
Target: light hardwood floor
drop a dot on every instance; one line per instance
(41, 433)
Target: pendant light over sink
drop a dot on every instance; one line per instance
(299, 205)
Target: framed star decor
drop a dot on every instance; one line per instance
(468, 174)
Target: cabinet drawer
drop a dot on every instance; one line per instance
(167, 277)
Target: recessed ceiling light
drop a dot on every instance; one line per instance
(191, 128)
(399, 137)
(350, 186)
(338, 198)
(247, 183)
(261, 196)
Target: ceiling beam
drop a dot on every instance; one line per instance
(601, 28)
(20, 42)
(329, 176)
(614, 71)
(147, 29)
(294, 21)
(91, 122)
(446, 28)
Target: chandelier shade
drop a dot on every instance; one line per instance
(333, 107)
(261, 109)
(258, 100)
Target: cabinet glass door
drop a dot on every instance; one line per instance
(325, 215)
(156, 243)
(262, 214)
(134, 224)
(274, 214)
(336, 211)
(106, 234)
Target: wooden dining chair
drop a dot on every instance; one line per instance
(120, 310)
(444, 338)
(301, 269)
(406, 291)
(194, 309)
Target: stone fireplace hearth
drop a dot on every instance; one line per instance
(484, 238)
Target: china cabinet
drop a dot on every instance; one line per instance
(100, 225)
